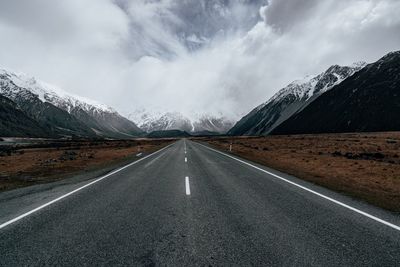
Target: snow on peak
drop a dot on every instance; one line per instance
(358, 65)
(168, 120)
(53, 94)
(311, 85)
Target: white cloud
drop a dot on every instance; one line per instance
(144, 53)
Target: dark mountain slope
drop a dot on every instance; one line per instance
(106, 123)
(15, 123)
(368, 101)
(64, 114)
(289, 100)
(58, 122)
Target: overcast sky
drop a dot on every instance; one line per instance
(192, 56)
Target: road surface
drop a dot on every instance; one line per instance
(189, 205)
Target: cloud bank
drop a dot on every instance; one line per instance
(195, 56)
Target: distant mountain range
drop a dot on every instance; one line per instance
(158, 121)
(355, 98)
(52, 112)
(367, 101)
(289, 100)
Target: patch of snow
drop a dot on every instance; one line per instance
(305, 88)
(158, 120)
(53, 94)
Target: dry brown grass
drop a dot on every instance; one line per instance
(23, 166)
(363, 165)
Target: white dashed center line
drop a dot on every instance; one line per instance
(185, 159)
(187, 186)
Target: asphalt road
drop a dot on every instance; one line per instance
(209, 209)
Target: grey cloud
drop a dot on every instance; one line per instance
(191, 56)
(169, 28)
(282, 14)
(63, 20)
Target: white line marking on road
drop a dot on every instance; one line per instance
(185, 159)
(77, 190)
(396, 227)
(187, 186)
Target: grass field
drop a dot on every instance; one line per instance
(362, 165)
(44, 161)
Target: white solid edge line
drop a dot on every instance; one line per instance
(187, 185)
(78, 189)
(396, 227)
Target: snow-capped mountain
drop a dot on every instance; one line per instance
(160, 121)
(291, 99)
(212, 124)
(49, 93)
(150, 122)
(63, 113)
(368, 101)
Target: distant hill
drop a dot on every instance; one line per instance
(168, 134)
(368, 101)
(205, 133)
(289, 100)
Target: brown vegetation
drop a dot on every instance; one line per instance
(46, 161)
(363, 165)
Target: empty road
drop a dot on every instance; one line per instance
(190, 205)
